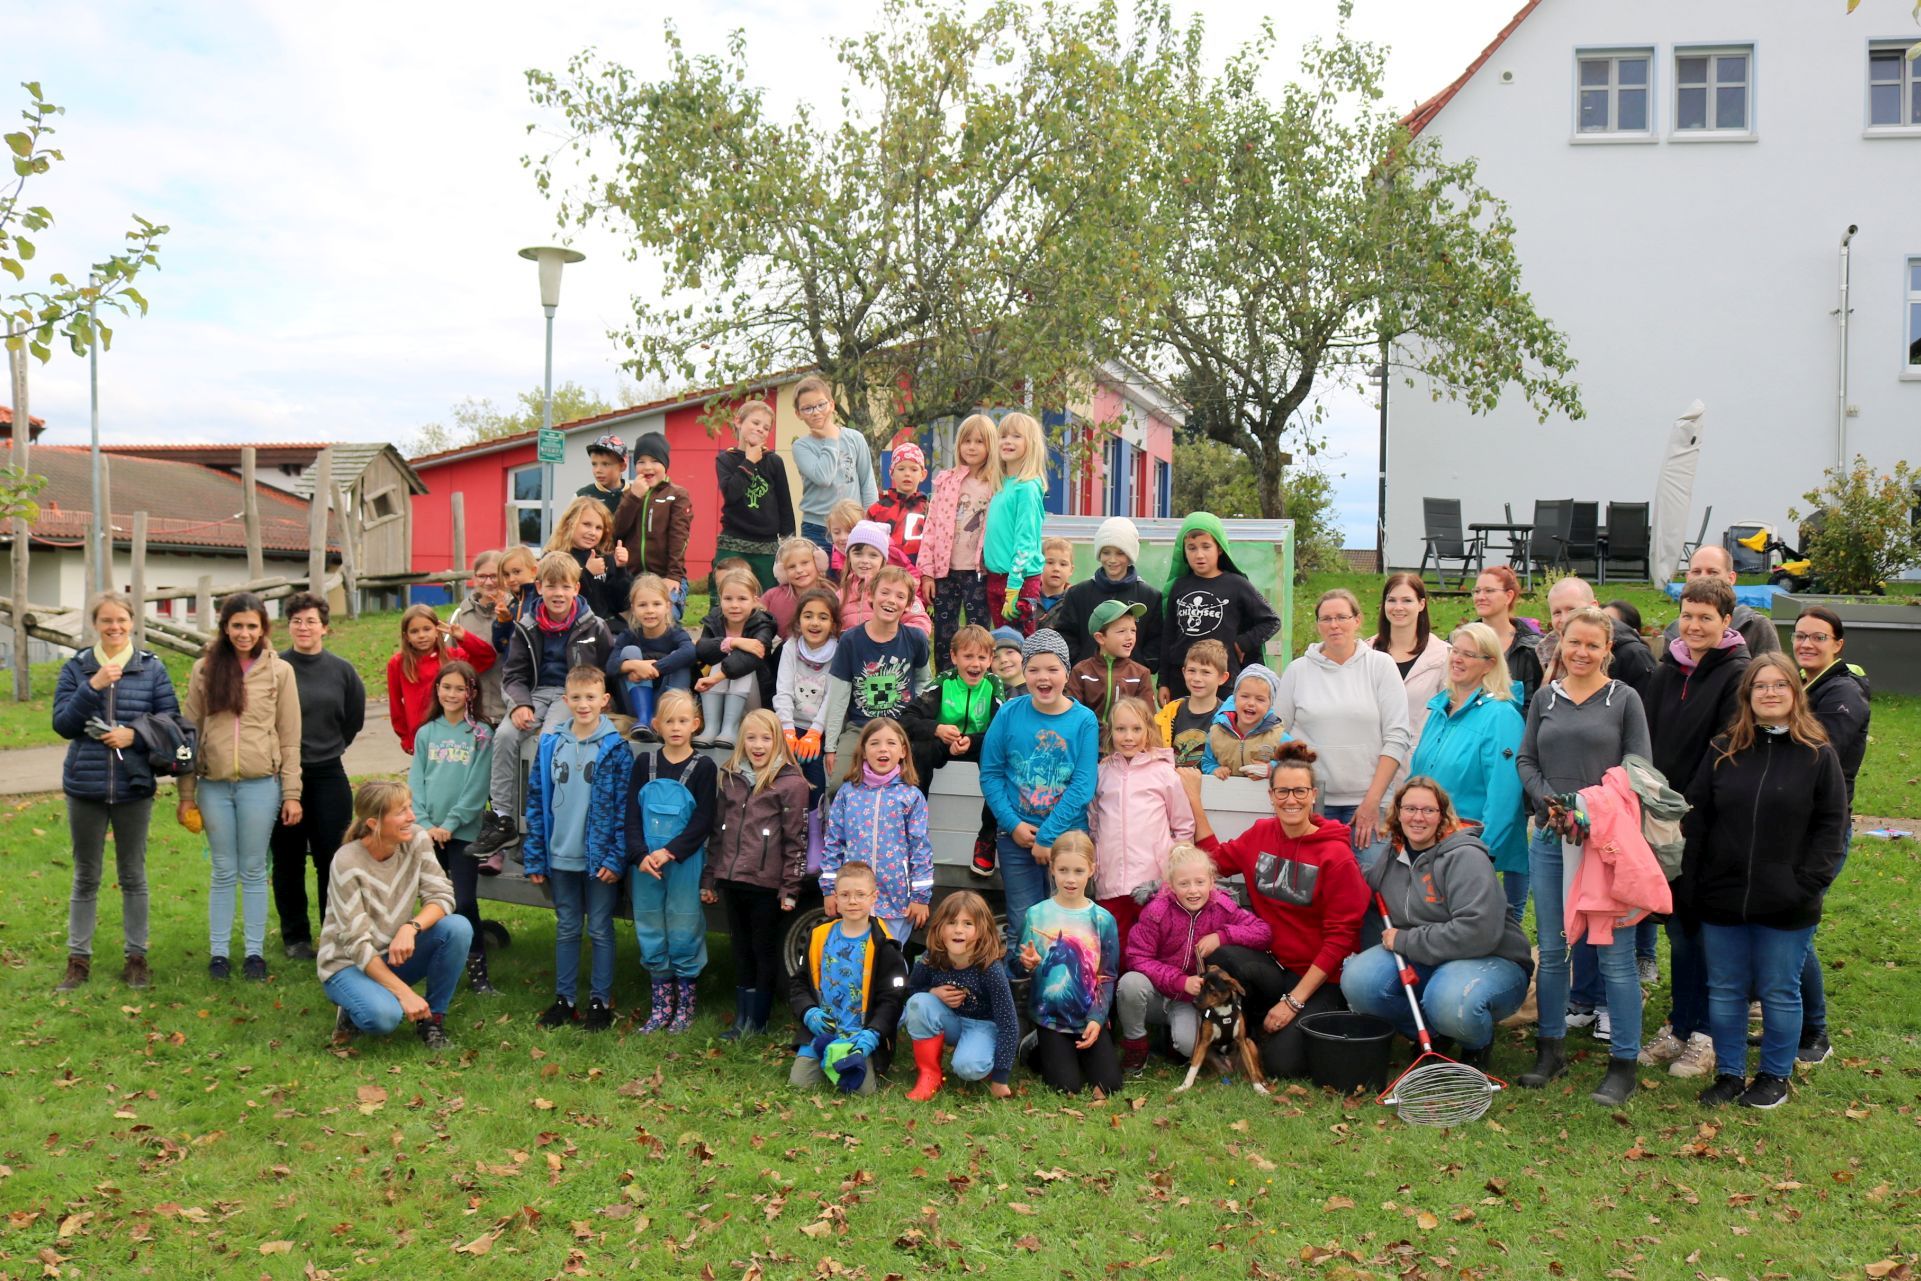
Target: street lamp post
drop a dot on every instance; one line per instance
(551, 259)
(102, 518)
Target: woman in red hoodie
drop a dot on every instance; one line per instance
(425, 644)
(1303, 881)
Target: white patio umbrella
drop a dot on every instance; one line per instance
(1674, 491)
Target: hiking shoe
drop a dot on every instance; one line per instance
(1814, 1049)
(1603, 1026)
(559, 1014)
(1725, 1090)
(136, 975)
(1768, 1091)
(1648, 970)
(1696, 1058)
(254, 969)
(1663, 1049)
(1550, 1062)
(220, 968)
(79, 970)
(344, 1029)
(431, 1034)
(1580, 1018)
(984, 855)
(298, 950)
(497, 832)
(600, 1016)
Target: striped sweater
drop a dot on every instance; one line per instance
(369, 899)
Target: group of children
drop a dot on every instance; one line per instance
(1078, 705)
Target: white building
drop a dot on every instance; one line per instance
(1681, 176)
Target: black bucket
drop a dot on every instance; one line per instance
(1347, 1051)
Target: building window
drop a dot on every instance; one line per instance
(381, 506)
(523, 504)
(1712, 90)
(1614, 95)
(1914, 314)
(1892, 99)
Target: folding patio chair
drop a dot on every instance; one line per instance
(1550, 533)
(1445, 540)
(1628, 539)
(1581, 541)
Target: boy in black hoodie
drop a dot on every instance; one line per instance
(1208, 596)
(1117, 543)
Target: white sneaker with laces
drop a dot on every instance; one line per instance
(1580, 1018)
(1603, 1026)
(1663, 1049)
(1696, 1060)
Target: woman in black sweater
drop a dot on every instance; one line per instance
(1764, 841)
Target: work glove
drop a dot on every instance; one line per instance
(866, 1041)
(816, 1021)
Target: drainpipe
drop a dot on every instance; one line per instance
(1842, 312)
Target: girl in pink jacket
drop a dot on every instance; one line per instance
(952, 576)
(1179, 929)
(1139, 807)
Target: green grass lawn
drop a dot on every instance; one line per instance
(207, 1131)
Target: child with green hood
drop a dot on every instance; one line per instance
(1208, 597)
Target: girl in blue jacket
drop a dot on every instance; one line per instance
(101, 694)
(879, 816)
(1473, 733)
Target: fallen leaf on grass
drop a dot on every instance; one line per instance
(817, 1229)
(1338, 1203)
(1889, 1268)
(543, 1105)
(73, 1223)
(372, 1099)
(276, 1247)
(1031, 1244)
(1426, 1222)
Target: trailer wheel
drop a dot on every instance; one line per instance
(794, 950)
(498, 937)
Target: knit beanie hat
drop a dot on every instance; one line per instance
(652, 445)
(1045, 641)
(1008, 638)
(1119, 531)
(869, 533)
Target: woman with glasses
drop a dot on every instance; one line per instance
(1449, 921)
(1838, 695)
(1468, 746)
(1764, 841)
(1347, 700)
(1496, 591)
(833, 463)
(1303, 881)
(1579, 726)
(1404, 632)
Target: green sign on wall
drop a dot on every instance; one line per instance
(553, 446)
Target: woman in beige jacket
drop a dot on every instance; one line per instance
(241, 697)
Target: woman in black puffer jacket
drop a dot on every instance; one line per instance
(108, 781)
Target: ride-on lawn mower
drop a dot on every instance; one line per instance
(1794, 572)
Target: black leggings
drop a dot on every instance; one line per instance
(464, 872)
(1285, 1052)
(753, 919)
(326, 812)
(1070, 1070)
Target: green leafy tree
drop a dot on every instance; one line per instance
(1860, 529)
(977, 226)
(478, 418)
(1313, 230)
(1210, 476)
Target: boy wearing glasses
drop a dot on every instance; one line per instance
(1208, 598)
(833, 464)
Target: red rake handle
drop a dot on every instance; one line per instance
(1408, 976)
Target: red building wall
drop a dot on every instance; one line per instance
(482, 479)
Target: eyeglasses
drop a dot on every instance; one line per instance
(1292, 793)
(1772, 687)
(1336, 618)
(1474, 654)
(1812, 638)
(1415, 811)
(808, 411)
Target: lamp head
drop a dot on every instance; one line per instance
(551, 259)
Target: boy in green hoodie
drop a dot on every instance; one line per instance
(949, 720)
(1208, 597)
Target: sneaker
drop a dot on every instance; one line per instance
(1766, 1092)
(1663, 1049)
(1648, 970)
(497, 832)
(219, 968)
(600, 1016)
(135, 973)
(1814, 1049)
(559, 1014)
(984, 855)
(1725, 1090)
(1696, 1059)
(301, 950)
(1580, 1018)
(432, 1034)
(79, 970)
(254, 969)
(1603, 1026)
(344, 1029)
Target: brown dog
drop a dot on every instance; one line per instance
(1223, 1028)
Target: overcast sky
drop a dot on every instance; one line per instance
(345, 189)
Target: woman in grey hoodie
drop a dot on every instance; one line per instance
(1578, 727)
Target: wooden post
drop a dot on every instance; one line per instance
(323, 488)
(250, 514)
(203, 602)
(457, 511)
(22, 431)
(349, 554)
(139, 583)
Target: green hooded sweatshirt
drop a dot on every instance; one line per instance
(1197, 522)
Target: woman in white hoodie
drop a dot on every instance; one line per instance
(1347, 700)
(1405, 634)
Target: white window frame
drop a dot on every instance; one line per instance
(1911, 318)
(1713, 131)
(1910, 86)
(519, 505)
(1614, 56)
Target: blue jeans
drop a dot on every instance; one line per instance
(578, 897)
(1623, 985)
(1814, 989)
(1514, 886)
(1647, 939)
(669, 924)
(1024, 883)
(1459, 999)
(1687, 983)
(1587, 992)
(239, 815)
(972, 1039)
(817, 535)
(1743, 959)
(439, 954)
(638, 696)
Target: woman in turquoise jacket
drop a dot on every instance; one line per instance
(1473, 733)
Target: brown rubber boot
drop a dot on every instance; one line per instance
(79, 970)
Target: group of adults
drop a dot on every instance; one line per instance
(1432, 759)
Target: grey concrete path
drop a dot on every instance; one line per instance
(29, 770)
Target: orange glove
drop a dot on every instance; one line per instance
(810, 745)
(793, 744)
(192, 820)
